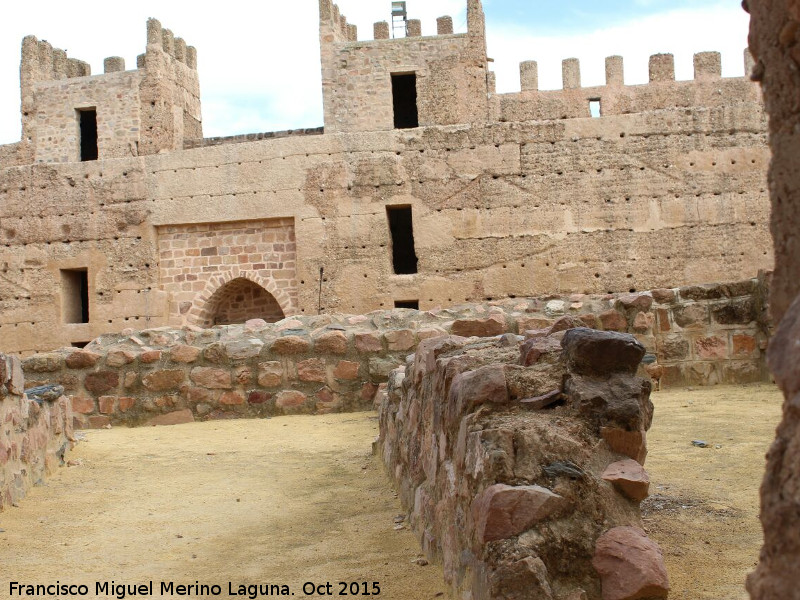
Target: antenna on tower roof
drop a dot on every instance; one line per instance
(399, 18)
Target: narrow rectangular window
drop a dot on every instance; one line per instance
(404, 101)
(87, 121)
(75, 295)
(404, 257)
(407, 304)
(594, 107)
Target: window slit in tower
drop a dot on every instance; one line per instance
(404, 257)
(404, 101)
(87, 121)
(75, 295)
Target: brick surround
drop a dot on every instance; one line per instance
(199, 263)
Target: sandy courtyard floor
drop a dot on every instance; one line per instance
(295, 501)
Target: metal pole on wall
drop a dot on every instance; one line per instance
(319, 300)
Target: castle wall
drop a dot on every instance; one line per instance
(694, 335)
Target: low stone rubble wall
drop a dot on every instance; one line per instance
(697, 335)
(35, 432)
(520, 464)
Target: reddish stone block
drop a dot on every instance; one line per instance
(231, 398)
(291, 344)
(119, 358)
(183, 353)
(346, 370)
(368, 342)
(167, 379)
(488, 327)
(331, 342)
(270, 374)
(258, 397)
(399, 340)
(243, 375)
(126, 403)
(101, 381)
(81, 359)
(527, 323)
(712, 347)
(312, 369)
(503, 511)
(630, 565)
(643, 322)
(663, 296)
(98, 422)
(640, 302)
(662, 317)
(177, 417)
(290, 399)
(613, 320)
(744, 345)
(150, 356)
(368, 391)
(590, 320)
(629, 477)
(486, 385)
(83, 405)
(630, 443)
(211, 378)
(106, 404)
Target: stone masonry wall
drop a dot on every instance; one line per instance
(196, 262)
(698, 335)
(35, 432)
(520, 465)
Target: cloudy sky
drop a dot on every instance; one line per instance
(259, 61)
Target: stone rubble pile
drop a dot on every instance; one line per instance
(520, 463)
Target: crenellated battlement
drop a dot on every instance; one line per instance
(707, 66)
(332, 19)
(42, 62)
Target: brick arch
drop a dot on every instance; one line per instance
(207, 302)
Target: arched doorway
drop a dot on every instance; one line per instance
(239, 300)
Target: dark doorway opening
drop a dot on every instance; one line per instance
(87, 120)
(404, 101)
(80, 344)
(75, 295)
(407, 304)
(404, 257)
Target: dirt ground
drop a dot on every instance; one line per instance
(300, 500)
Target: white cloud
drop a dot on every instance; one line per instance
(259, 61)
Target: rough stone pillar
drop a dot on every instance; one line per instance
(140, 61)
(444, 25)
(180, 49)
(352, 32)
(191, 57)
(615, 71)
(380, 30)
(168, 41)
(60, 65)
(662, 67)
(774, 43)
(113, 64)
(529, 75)
(707, 65)
(414, 28)
(491, 82)
(571, 73)
(154, 35)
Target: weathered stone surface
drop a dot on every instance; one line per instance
(126, 403)
(291, 344)
(331, 342)
(663, 296)
(211, 378)
(490, 326)
(710, 291)
(619, 400)
(81, 359)
(177, 417)
(639, 302)
(712, 347)
(629, 443)
(486, 385)
(244, 349)
(83, 405)
(106, 404)
(98, 421)
(270, 374)
(290, 399)
(503, 511)
(524, 579)
(231, 398)
(744, 345)
(630, 565)
(119, 357)
(367, 342)
(312, 369)
(398, 340)
(690, 315)
(591, 352)
(735, 312)
(536, 349)
(613, 320)
(43, 363)
(346, 369)
(183, 353)
(643, 322)
(101, 381)
(150, 356)
(381, 367)
(166, 379)
(258, 397)
(629, 477)
(673, 348)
